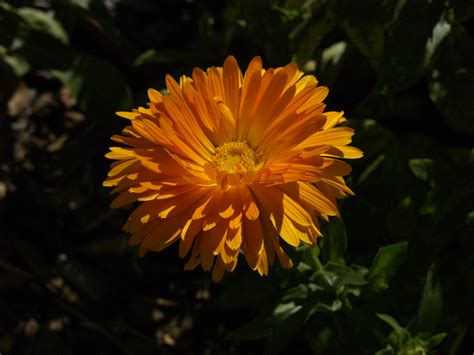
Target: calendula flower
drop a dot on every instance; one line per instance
(227, 163)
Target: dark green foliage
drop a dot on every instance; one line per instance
(394, 275)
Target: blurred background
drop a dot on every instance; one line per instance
(394, 276)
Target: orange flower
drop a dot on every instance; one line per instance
(227, 163)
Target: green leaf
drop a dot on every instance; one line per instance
(387, 351)
(344, 275)
(322, 340)
(98, 86)
(422, 343)
(364, 23)
(41, 21)
(171, 57)
(402, 334)
(41, 49)
(310, 258)
(403, 60)
(470, 218)
(9, 22)
(297, 306)
(333, 276)
(286, 318)
(300, 292)
(452, 81)
(435, 340)
(307, 35)
(385, 265)
(431, 306)
(271, 31)
(285, 328)
(449, 91)
(284, 310)
(94, 12)
(332, 305)
(83, 4)
(331, 62)
(422, 168)
(19, 64)
(258, 328)
(372, 138)
(440, 31)
(334, 244)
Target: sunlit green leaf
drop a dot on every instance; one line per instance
(440, 31)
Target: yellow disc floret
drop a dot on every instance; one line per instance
(235, 158)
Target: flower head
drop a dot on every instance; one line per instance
(228, 163)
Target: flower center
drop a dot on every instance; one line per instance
(234, 157)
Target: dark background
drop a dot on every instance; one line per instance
(395, 277)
